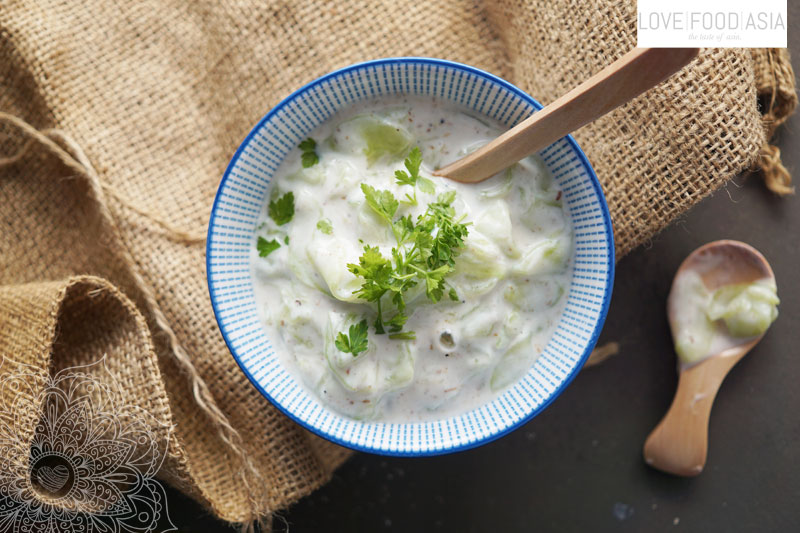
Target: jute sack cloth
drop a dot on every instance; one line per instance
(118, 120)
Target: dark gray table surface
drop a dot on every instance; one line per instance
(578, 465)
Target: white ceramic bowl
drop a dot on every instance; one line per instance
(243, 191)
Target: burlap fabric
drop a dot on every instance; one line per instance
(118, 119)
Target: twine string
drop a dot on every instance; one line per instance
(73, 156)
(47, 138)
(776, 177)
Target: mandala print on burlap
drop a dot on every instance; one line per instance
(75, 457)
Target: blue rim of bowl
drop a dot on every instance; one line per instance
(607, 227)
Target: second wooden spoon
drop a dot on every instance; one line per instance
(679, 444)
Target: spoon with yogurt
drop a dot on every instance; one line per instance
(722, 301)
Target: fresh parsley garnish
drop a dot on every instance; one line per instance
(356, 340)
(324, 225)
(412, 177)
(266, 247)
(286, 240)
(382, 202)
(309, 158)
(412, 163)
(425, 252)
(282, 209)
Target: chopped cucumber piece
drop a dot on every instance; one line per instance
(747, 309)
(374, 136)
(514, 363)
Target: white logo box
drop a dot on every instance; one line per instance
(712, 23)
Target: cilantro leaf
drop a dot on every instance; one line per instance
(342, 342)
(376, 271)
(397, 322)
(453, 294)
(426, 185)
(282, 209)
(401, 178)
(412, 177)
(355, 341)
(324, 225)
(433, 282)
(371, 264)
(403, 228)
(413, 162)
(266, 247)
(382, 202)
(358, 337)
(424, 242)
(309, 158)
(309, 145)
(397, 298)
(446, 198)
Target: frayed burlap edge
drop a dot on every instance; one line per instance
(776, 87)
(37, 319)
(67, 151)
(777, 94)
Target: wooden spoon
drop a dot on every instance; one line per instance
(623, 80)
(679, 443)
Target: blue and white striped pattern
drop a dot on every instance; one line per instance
(243, 191)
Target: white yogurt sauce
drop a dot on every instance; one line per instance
(510, 278)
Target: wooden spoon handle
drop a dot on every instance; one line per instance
(679, 443)
(624, 79)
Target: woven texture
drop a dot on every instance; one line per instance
(118, 119)
(777, 97)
